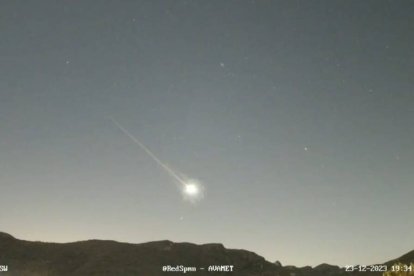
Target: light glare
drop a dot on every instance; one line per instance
(192, 191)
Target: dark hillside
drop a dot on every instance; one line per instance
(103, 257)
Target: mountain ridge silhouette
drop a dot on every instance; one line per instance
(108, 257)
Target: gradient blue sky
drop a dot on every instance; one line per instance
(296, 115)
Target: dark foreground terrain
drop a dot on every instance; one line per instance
(100, 257)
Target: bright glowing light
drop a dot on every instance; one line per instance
(192, 191)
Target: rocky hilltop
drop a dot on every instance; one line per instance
(102, 257)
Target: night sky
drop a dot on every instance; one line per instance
(296, 116)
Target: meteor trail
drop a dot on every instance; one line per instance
(155, 158)
(191, 189)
